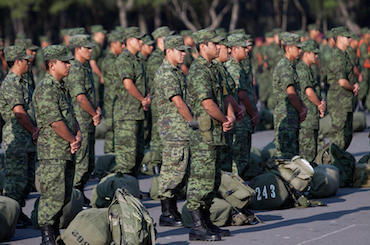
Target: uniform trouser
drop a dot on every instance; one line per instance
(19, 174)
(241, 151)
(108, 138)
(56, 179)
(129, 146)
(155, 143)
(173, 175)
(342, 128)
(308, 143)
(364, 85)
(205, 173)
(286, 141)
(147, 128)
(85, 159)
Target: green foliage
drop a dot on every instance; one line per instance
(58, 6)
(20, 8)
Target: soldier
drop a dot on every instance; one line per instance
(3, 66)
(80, 85)
(363, 52)
(67, 33)
(98, 36)
(59, 139)
(289, 111)
(19, 132)
(173, 115)
(310, 92)
(191, 53)
(31, 51)
(207, 105)
(243, 129)
(341, 91)
(131, 103)
(115, 40)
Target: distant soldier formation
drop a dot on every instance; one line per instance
(192, 99)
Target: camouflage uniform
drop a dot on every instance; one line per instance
(364, 94)
(205, 166)
(308, 133)
(286, 118)
(97, 55)
(80, 81)
(128, 112)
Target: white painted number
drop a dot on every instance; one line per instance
(266, 192)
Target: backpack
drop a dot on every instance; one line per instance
(234, 190)
(325, 181)
(361, 176)
(70, 210)
(90, 227)
(103, 193)
(9, 212)
(268, 152)
(129, 221)
(103, 165)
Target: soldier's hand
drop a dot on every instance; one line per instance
(146, 102)
(75, 146)
(35, 135)
(97, 118)
(356, 89)
(228, 125)
(102, 80)
(322, 108)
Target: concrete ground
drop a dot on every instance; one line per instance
(345, 219)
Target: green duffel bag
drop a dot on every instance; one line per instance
(361, 176)
(359, 121)
(323, 155)
(103, 193)
(325, 181)
(9, 212)
(70, 210)
(271, 192)
(268, 151)
(103, 165)
(255, 165)
(234, 190)
(100, 130)
(90, 227)
(345, 162)
(221, 213)
(365, 159)
(297, 172)
(325, 126)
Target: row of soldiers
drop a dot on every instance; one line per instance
(203, 80)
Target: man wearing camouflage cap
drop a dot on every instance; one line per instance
(173, 118)
(68, 32)
(98, 37)
(80, 84)
(191, 54)
(31, 51)
(341, 91)
(310, 94)
(20, 132)
(132, 101)
(289, 110)
(3, 66)
(363, 53)
(115, 40)
(58, 140)
(207, 105)
(245, 94)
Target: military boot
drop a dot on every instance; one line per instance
(167, 218)
(214, 228)
(173, 209)
(47, 235)
(199, 230)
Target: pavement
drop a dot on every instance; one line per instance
(345, 219)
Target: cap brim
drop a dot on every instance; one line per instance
(89, 45)
(33, 47)
(141, 35)
(216, 39)
(66, 57)
(183, 47)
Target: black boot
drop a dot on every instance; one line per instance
(173, 209)
(207, 220)
(200, 231)
(86, 204)
(167, 218)
(47, 235)
(23, 221)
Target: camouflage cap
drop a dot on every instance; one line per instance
(147, 40)
(269, 34)
(221, 32)
(365, 30)
(114, 36)
(175, 42)
(276, 31)
(237, 31)
(15, 52)
(355, 36)
(76, 31)
(206, 35)
(57, 52)
(341, 31)
(313, 27)
(26, 43)
(119, 28)
(97, 28)
(162, 31)
(310, 46)
(133, 32)
(292, 39)
(238, 40)
(44, 39)
(63, 32)
(80, 40)
(186, 33)
(302, 33)
(283, 34)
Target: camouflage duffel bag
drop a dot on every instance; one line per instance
(268, 152)
(103, 194)
(9, 212)
(325, 181)
(70, 210)
(361, 176)
(90, 226)
(221, 213)
(271, 192)
(359, 121)
(103, 165)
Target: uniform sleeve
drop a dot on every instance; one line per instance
(304, 79)
(286, 78)
(125, 68)
(201, 86)
(47, 107)
(170, 86)
(234, 72)
(76, 82)
(338, 67)
(95, 53)
(14, 95)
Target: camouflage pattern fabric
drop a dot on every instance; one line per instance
(339, 99)
(80, 81)
(204, 170)
(97, 55)
(169, 81)
(308, 133)
(17, 141)
(286, 120)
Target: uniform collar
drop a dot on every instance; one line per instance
(205, 62)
